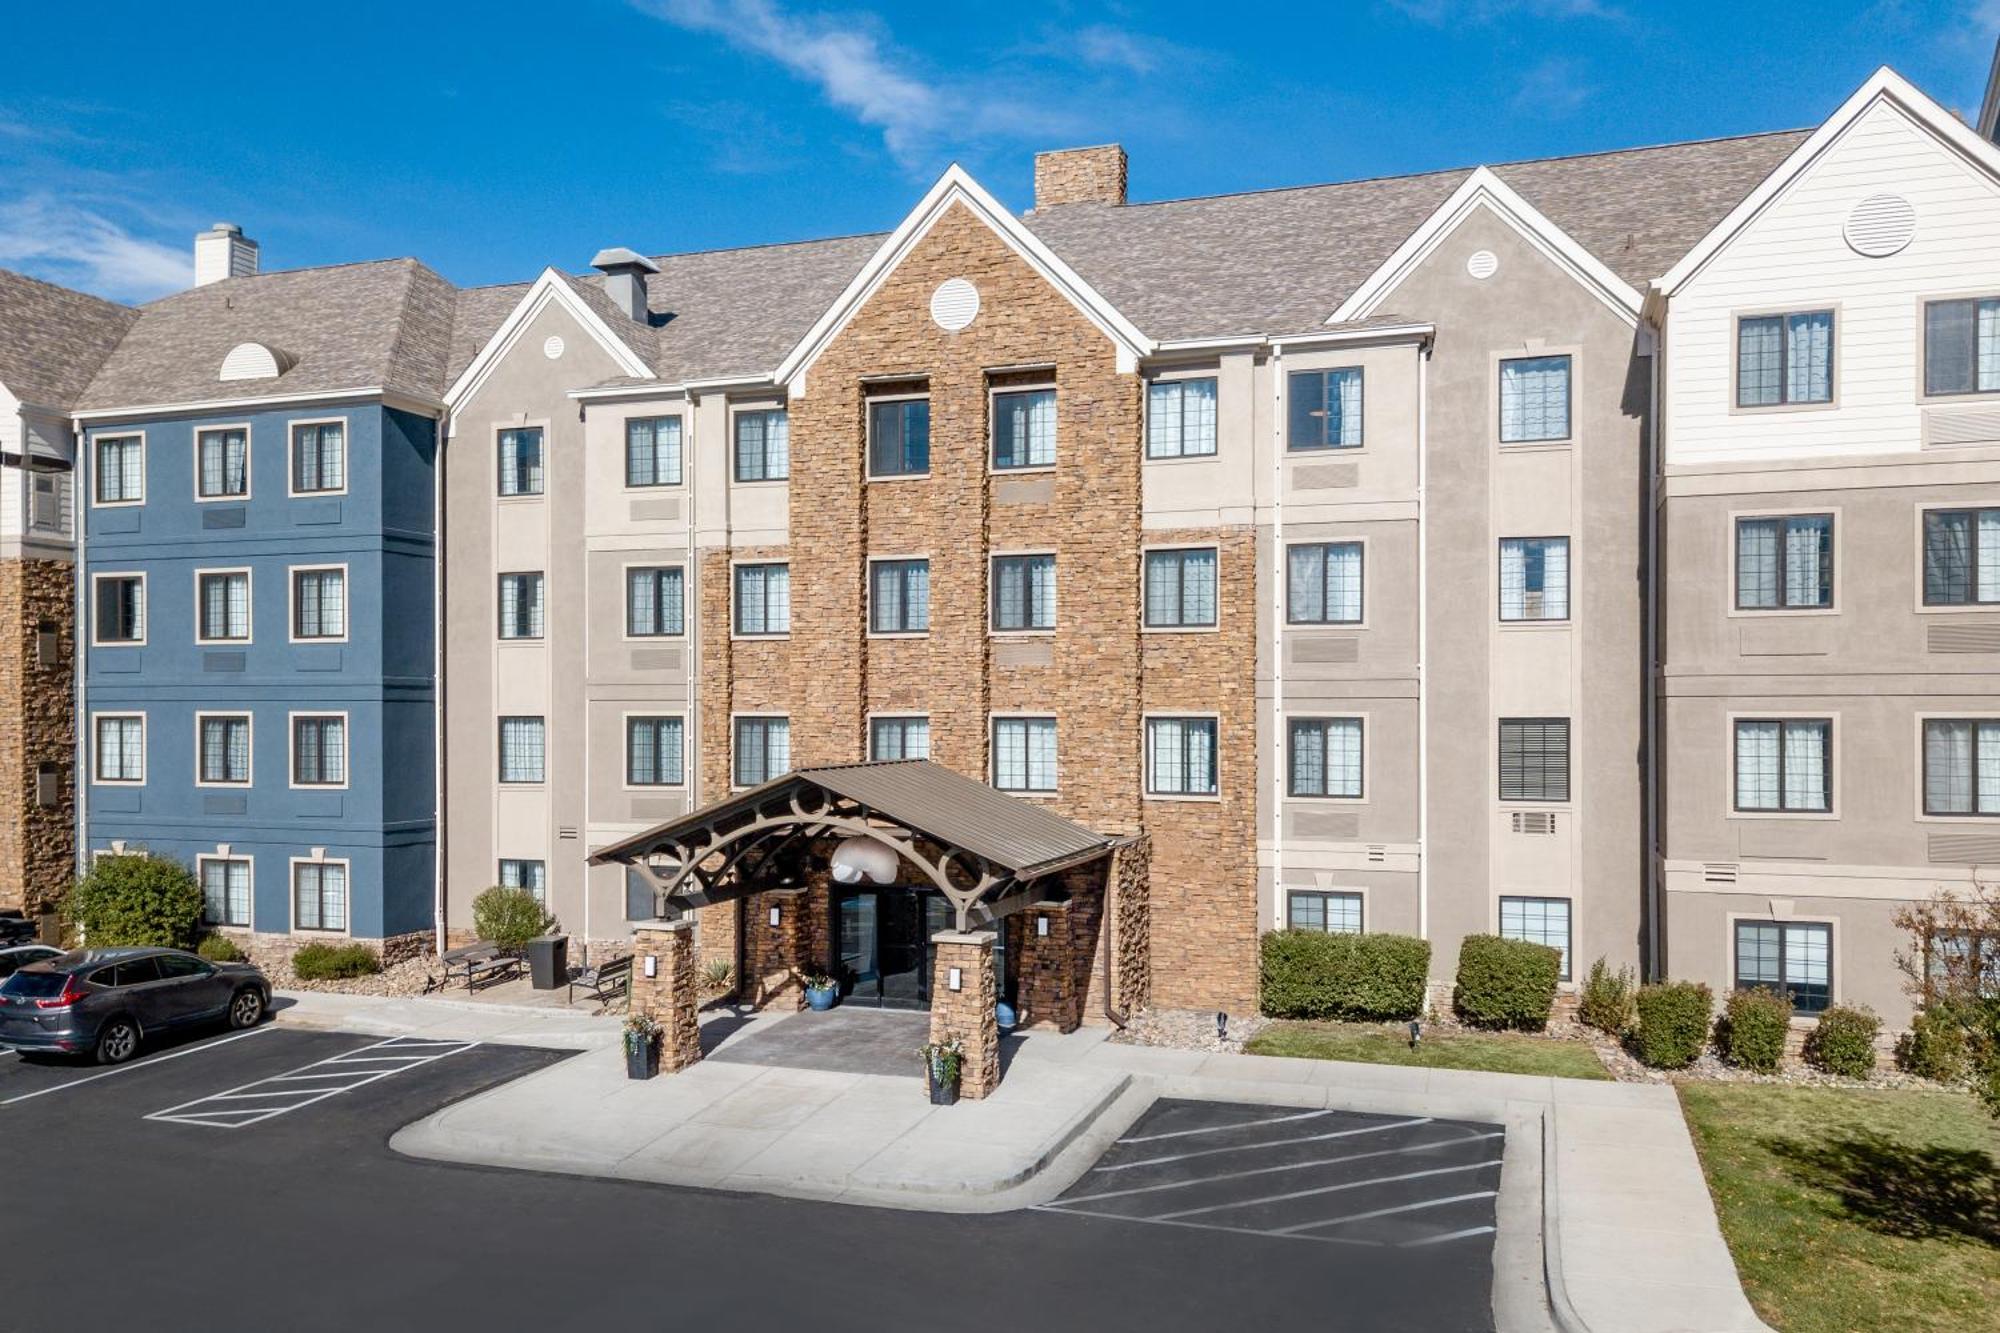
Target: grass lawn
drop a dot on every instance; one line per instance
(1377, 1044)
(1855, 1209)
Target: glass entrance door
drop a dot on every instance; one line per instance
(885, 945)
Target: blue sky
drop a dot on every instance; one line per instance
(490, 139)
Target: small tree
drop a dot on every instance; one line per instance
(1607, 998)
(1949, 966)
(509, 918)
(146, 901)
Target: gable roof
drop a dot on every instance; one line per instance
(56, 339)
(623, 339)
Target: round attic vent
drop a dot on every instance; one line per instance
(553, 348)
(254, 361)
(954, 304)
(1880, 225)
(1482, 264)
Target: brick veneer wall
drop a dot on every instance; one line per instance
(967, 1013)
(37, 844)
(1080, 176)
(672, 995)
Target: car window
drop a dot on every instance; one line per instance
(138, 971)
(174, 967)
(103, 976)
(33, 985)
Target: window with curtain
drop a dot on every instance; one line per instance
(1961, 556)
(1180, 418)
(655, 602)
(1961, 766)
(1534, 399)
(1024, 429)
(319, 604)
(523, 753)
(1783, 359)
(1534, 759)
(1180, 588)
(1024, 592)
(899, 738)
(1784, 563)
(224, 601)
(899, 596)
(319, 751)
(653, 451)
(1325, 757)
(899, 437)
(530, 875)
(521, 606)
(1784, 764)
(521, 461)
(121, 469)
(223, 466)
(654, 755)
(121, 749)
(224, 744)
(1323, 583)
(763, 445)
(1318, 909)
(1538, 921)
(1962, 346)
(763, 749)
(1534, 578)
(763, 599)
(319, 457)
(1180, 756)
(1793, 958)
(1323, 409)
(225, 891)
(1024, 754)
(319, 895)
(121, 609)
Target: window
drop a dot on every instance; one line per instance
(1534, 759)
(1326, 757)
(1180, 756)
(641, 903)
(222, 468)
(521, 461)
(763, 599)
(1784, 563)
(1324, 409)
(1024, 592)
(530, 875)
(763, 749)
(319, 603)
(1324, 583)
(121, 469)
(319, 751)
(225, 890)
(121, 608)
(1961, 556)
(1962, 962)
(899, 738)
(899, 438)
(899, 596)
(653, 451)
(1784, 765)
(1180, 589)
(1337, 913)
(655, 602)
(223, 745)
(121, 749)
(319, 895)
(1024, 429)
(1794, 958)
(521, 606)
(1534, 399)
(1961, 766)
(763, 445)
(1962, 346)
(1783, 359)
(224, 602)
(522, 753)
(1534, 578)
(1538, 921)
(653, 752)
(1024, 754)
(1180, 418)
(319, 457)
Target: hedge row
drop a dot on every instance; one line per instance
(1319, 974)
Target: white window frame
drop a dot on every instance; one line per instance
(993, 559)
(1152, 791)
(249, 606)
(319, 858)
(292, 603)
(102, 438)
(625, 720)
(250, 772)
(145, 608)
(292, 721)
(993, 721)
(249, 464)
(292, 491)
(97, 779)
(223, 853)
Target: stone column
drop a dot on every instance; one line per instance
(967, 1013)
(1051, 975)
(778, 953)
(672, 994)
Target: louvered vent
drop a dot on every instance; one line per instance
(1948, 638)
(1716, 872)
(1965, 848)
(1325, 651)
(1880, 225)
(1326, 476)
(566, 831)
(1948, 427)
(1538, 823)
(1377, 853)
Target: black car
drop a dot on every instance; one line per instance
(14, 959)
(104, 1002)
(15, 930)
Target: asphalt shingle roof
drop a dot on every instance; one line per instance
(52, 340)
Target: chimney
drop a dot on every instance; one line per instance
(223, 251)
(1080, 176)
(625, 280)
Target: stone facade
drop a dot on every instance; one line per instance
(1048, 973)
(1080, 176)
(967, 1013)
(673, 994)
(776, 955)
(37, 840)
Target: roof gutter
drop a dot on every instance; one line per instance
(390, 397)
(664, 388)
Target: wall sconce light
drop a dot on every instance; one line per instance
(1042, 925)
(652, 965)
(955, 978)
(774, 915)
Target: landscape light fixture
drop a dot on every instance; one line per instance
(1416, 1033)
(1221, 1026)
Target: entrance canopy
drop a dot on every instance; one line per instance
(983, 849)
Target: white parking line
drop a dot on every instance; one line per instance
(139, 1064)
(1218, 1129)
(1449, 1235)
(1326, 1189)
(1383, 1212)
(357, 1069)
(1274, 1143)
(1268, 1170)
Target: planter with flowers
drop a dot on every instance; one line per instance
(943, 1061)
(642, 1046)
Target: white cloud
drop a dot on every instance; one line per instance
(77, 245)
(1556, 87)
(1437, 13)
(1118, 48)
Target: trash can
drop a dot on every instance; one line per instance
(548, 961)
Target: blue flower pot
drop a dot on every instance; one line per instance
(1004, 1016)
(821, 997)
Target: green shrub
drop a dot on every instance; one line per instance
(1937, 1046)
(1319, 974)
(1506, 983)
(1606, 1003)
(509, 918)
(1673, 1023)
(219, 949)
(1844, 1042)
(335, 962)
(1753, 1028)
(146, 901)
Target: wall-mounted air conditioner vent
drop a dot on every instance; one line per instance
(1716, 873)
(1377, 853)
(1539, 823)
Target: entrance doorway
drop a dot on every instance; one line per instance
(885, 945)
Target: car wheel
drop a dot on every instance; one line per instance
(246, 1010)
(117, 1042)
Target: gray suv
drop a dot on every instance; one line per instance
(104, 1002)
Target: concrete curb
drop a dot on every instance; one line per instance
(1560, 1309)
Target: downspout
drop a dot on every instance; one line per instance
(81, 628)
(439, 838)
(1280, 741)
(1649, 814)
(1423, 649)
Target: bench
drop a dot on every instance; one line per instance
(479, 964)
(604, 981)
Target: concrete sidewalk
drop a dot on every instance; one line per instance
(444, 1017)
